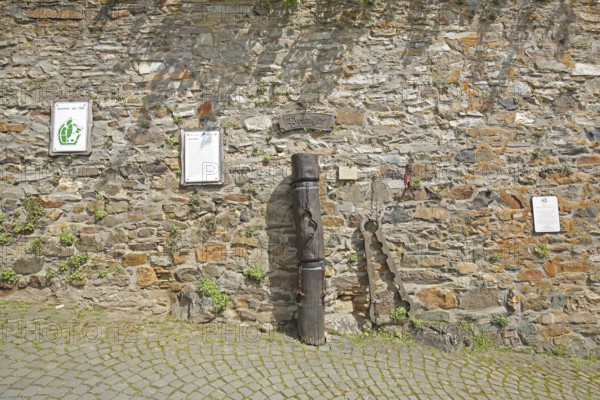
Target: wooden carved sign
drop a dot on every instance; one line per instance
(307, 120)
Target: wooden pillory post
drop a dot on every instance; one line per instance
(310, 249)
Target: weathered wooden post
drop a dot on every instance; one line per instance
(310, 249)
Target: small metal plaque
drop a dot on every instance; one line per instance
(545, 214)
(202, 158)
(71, 128)
(323, 122)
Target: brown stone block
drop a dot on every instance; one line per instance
(211, 251)
(146, 276)
(328, 207)
(350, 282)
(551, 266)
(511, 200)
(237, 198)
(173, 76)
(349, 116)
(535, 304)
(332, 221)
(564, 318)
(49, 203)
(461, 192)
(51, 13)
(466, 268)
(179, 259)
(204, 108)
(431, 213)
(8, 127)
(554, 330)
(437, 298)
(530, 274)
(578, 266)
(588, 160)
(133, 259)
(244, 241)
(477, 299)
(485, 153)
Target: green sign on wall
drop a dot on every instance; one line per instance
(71, 128)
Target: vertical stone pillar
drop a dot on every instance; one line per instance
(310, 248)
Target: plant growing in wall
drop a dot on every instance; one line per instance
(415, 184)
(398, 314)
(416, 322)
(67, 239)
(291, 3)
(144, 123)
(251, 189)
(171, 141)
(494, 258)
(100, 215)
(72, 269)
(210, 224)
(210, 288)
(352, 259)
(255, 273)
(500, 321)
(36, 246)
(7, 275)
(5, 237)
(77, 278)
(177, 119)
(248, 232)
(194, 203)
(541, 251)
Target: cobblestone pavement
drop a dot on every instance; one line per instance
(99, 354)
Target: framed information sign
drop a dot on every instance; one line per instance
(545, 214)
(71, 128)
(201, 158)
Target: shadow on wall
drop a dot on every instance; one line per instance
(283, 263)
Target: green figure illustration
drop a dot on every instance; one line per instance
(69, 133)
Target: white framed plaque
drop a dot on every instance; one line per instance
(71, 128)
(545, 214)
(201, 157)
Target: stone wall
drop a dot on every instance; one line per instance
(479, 105)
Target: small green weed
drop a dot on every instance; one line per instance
(415, 184)
(8, 275)
(541, 251)
(352, 259)
(210, 288)
(398, 315)
(252, 189)
(36, 246)
(494, 258)
(500, 321)
(481, 342)
(77, 276)
(416, 322)
(255, 273)
(100, 214)
(67, 239)
(210, 224)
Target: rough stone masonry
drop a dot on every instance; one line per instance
(451, 114)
